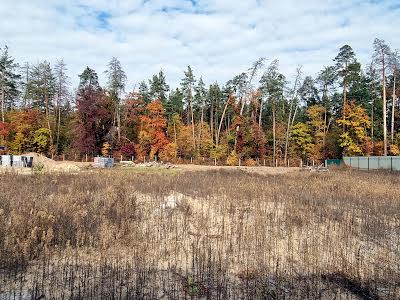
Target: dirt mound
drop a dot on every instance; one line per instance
(50, 165)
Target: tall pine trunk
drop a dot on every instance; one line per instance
(393, 106)
(274, 134)
(384, 108)
(3, 96)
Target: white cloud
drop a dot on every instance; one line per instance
(219, 38)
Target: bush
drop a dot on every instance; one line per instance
(232, 159)
(249, 162)
(169, 152)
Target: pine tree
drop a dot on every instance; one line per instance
(272, 85)
(88, 78)
(381, 59)
(42, 88)
(187, 88)
(144, 92)
(348, 68)
(8, 79)
(62, 94)
(158, 87)
(116, 85)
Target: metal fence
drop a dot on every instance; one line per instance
(373, 162)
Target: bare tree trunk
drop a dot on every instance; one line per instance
(274, 134)
(290, 121)
(58, 126)
(212, 119)
(393, 106)
(46, 99)
(119, 121)
(58, 115)
(201, 127)
(26, 87)
(175, 136)
(384, 109)
(241, 114)
(221, 121)
(3, 96)
(192, 115)
(261, 111)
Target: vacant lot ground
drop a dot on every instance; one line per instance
(201, 233)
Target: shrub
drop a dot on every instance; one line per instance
(249, 162)
(232, 159)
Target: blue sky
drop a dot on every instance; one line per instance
(219, 38)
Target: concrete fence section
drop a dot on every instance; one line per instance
(391, 163)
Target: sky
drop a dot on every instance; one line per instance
(218, 38)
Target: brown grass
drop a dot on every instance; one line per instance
(191, 235)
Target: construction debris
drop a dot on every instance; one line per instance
(152, 164)
(320, 168)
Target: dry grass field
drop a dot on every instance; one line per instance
(200, 234)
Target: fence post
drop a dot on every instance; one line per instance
(86, 157)
(240, 162)
(368, 163)
(264, 162)
(391, 163)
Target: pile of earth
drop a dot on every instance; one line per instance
(41, 162)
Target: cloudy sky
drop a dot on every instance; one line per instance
(218, 38)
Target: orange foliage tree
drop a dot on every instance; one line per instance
(152, 138)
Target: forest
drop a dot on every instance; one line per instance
(346, 109)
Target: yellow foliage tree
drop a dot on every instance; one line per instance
(356, 122)
(105, 150)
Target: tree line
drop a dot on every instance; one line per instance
(258, 115)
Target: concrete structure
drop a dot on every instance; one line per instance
(103, 162)
(16, 161)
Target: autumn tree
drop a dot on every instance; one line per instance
(355, 138)
(152, 138)
(316, 115)
(93, 116)
(301, 140)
